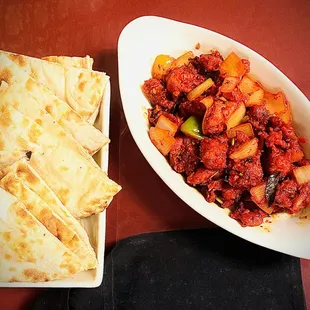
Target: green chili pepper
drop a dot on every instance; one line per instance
(191, 127)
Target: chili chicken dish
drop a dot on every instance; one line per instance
(227, 135)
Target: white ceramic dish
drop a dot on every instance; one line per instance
(94, 225)
(139, 43)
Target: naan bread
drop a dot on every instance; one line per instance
(27, 186)
(78, 62)
(83, 132)
(82, 188)
(19, 135)
(80, 185)
(82, 89)
(18, 97)
(28, 251)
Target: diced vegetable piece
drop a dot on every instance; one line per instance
(297, 156)
(252, 90)
(232, 66)
(200, 89)
(182, 60)
(219, 200)
(255, 98)
(236, 117)
(248, 86)
(161, 65)
(286, 116)
(245, 119)
(191, 127)
(166, 124)
(278, 105)
(223, 98)
(162, 140)
(275, 103)
(302, 174)
(208, 101)
(229, 84)
(245, 128)
(247, 149)
(259, 197)
(271, 186)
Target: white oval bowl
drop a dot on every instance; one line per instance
(139, 43)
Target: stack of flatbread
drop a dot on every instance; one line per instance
(48, 177)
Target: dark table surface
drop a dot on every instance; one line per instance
(278, 30)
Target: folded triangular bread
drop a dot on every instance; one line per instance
(29, 252)
(80, 185)
(81, 88)
(18, 97)
(83, 132)
(83, 188)
(27, 186)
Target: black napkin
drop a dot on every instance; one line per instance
(190, 269)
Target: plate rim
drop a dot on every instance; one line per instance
(104, 116)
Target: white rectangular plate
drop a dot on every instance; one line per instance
(94, 225)
(148, 36)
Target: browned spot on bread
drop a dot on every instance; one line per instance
(35, 275)
(22, 246)
(6, 75)
(38, 121)
(94, 99)
(32, 260)
(47, 218)
(2, 144)
(82, 85)
(29, 84)
(22, 142)
(21, 213)
(18, 59)
(7, 256)
(13, 279)
(23, 251)
(7, 236)
(24, 173)
(71, 242)
(30, 223)
(96, 202)
(71, 269)
(49, 109)
(34, 75)
(12, 269)
(5, 118)
(34, 133)
(10, 184)
(62, 194)
(23, 217)
(23, 195)
(67, 114)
